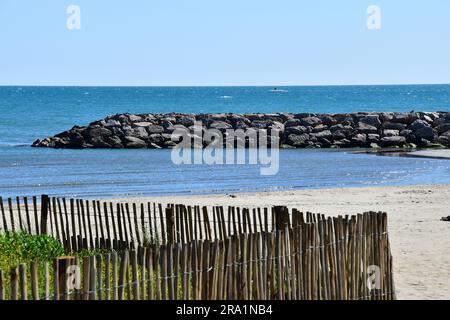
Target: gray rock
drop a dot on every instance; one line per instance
(393, 126)
(339, 135)
(295, 130)
(259, 124)
(336, 127)
(366, 128)
(140, 132)
(328, 120)
(241, 125)
(406, 133)
(372, 120)
(293, 123)
(392, 141)
(298, 140)
(220, 125)
(186, 121)
(154, 129)
(372, 137)
(426, 117)
(324, 142)
(427, 133)
(134, 118)
(326, 134)
(157, 138)
(310, 121)
(99, 132)
(444, 140)
(98, 142)
(344, 143)
(404, 118)
(112, 123)
(142, 124)
(418, 124)
(165, 124)
(359, 140)
(115, 142)
(390, 133)
(444, 127)
(134, 143)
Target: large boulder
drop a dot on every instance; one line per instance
(140, 132)
(336, 127)
(220, 125)
(418, 124)
(296, 130)
(134, 118)
(373, 137)
(98, 142)
(326, 134)
(372, 120)
(144, 124)
(155, 129)
(393, 141)
(390, 133)
(366, 128)
(98, 132)
(115, 142)
(310, 121)
(359, 140)
(444, 127)
(393, 126)
(293, 123)
(134, 143)
(186, 121)
(298, 140)
(328, 120)
(427, 133)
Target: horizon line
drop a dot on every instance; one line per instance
(226, 86)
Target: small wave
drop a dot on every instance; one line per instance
(13, 144)
(226, 97)
(279, 90)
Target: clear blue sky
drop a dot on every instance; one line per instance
(224, 42)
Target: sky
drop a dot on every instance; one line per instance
(224, 42)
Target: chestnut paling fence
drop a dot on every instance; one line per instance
(184, 252)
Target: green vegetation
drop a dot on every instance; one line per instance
(20, 247)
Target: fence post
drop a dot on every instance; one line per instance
(170, 222)
(64, 276)
(281, 217)
(14, 282)
(2, 291)
(44, 213)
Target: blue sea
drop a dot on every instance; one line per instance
(28, 113)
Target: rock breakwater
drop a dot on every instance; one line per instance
(304, 130)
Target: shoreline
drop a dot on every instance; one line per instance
(419, 240)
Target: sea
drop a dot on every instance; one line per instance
(28, 113)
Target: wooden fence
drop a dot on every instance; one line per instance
(323, 258)
(91, 224)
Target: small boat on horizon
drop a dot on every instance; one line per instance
(278, 90)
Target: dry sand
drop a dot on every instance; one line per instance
(420, 242)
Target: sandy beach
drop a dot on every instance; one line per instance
(420, 242)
